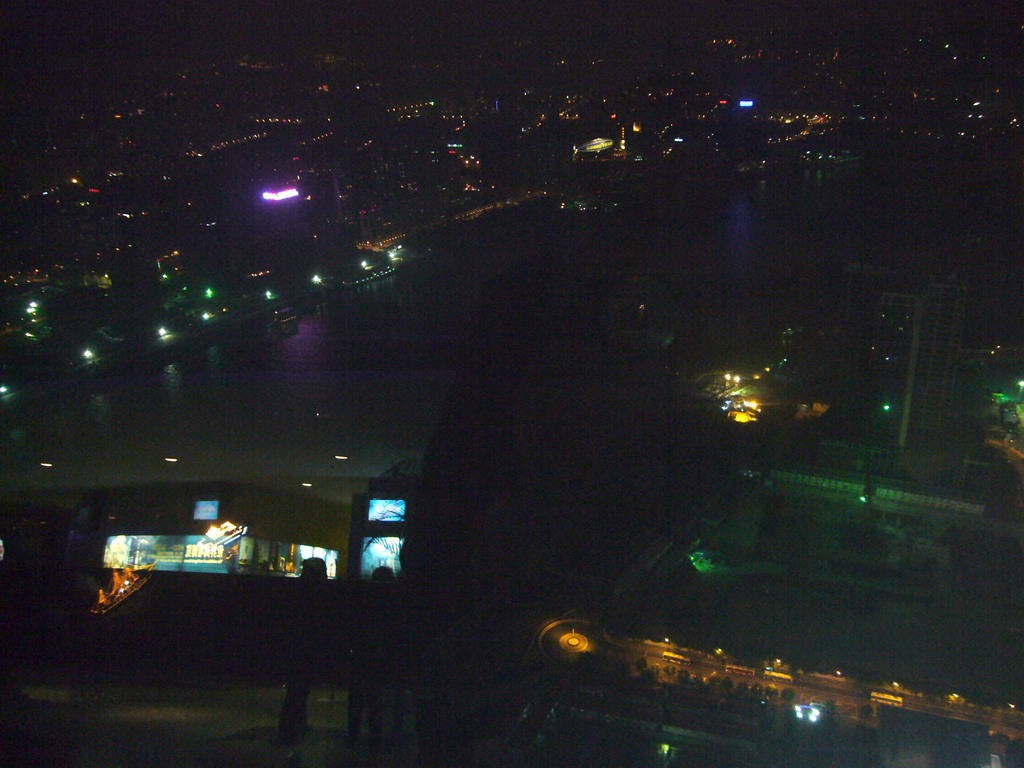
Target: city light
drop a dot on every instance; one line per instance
(209, 293)
(269, 294)
(88, 354)
(45, 464)
(341, 458)
(161, 332)
(886, 407)
(3, 391)
(307, 485)
(746, 103)
(812, 714)
(284, 194)
(317, 279)
(207, 315)
(170, 459)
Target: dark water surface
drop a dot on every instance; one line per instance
(367, 377)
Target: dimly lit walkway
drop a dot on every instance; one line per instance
(185, 722)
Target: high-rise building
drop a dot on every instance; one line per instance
(933, 403)
(914, 354)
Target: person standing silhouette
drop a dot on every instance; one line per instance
(371, 648)
(291, 724)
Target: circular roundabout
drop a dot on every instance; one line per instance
(563, 641)
(574, 642)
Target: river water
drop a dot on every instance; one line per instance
(367, 378)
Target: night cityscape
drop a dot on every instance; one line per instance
(456, 386)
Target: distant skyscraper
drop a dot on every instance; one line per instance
(914, 354)
(933, 403)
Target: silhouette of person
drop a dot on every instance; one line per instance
(370, 662)
(291, 725)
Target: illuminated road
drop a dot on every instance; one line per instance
(848, 695)
(562, 639)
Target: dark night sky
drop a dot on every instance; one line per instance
(118, 30)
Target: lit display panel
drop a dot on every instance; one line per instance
(224, 554)
(386, 511)
(206, 510)
(381, 552)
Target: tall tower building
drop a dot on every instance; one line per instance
(914, 354)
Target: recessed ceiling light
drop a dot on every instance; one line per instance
(341, 458)
(307, 485)
(45, 464)
(168, 458)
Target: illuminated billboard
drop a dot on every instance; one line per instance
(381, 552)
(171, 553)
(386, 511)
(746, 103)
(227, 552)
(206, 510)
(284, 194)
(595, 145)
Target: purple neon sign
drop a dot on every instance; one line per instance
(284, 194)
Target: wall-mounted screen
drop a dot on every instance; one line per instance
(206, 510)
(386, 511)
(381, 552)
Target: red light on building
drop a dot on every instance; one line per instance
(723, 101)
(95, 191)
